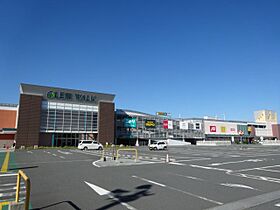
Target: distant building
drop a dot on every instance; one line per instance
(266, 116)
(8, 123)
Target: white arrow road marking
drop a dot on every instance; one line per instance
(237, 185)
(241, 161)
(178, 190)
(97, 189)
(94, 163)
(65, 153)
(101, 191)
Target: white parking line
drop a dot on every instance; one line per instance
(178, 190)
(63, 152)
(87, 153)
(12, 188)
(268, 170)
(190, 177)
(150, 181)
(2, 175)
(252, 169)
(249, 202)
(238, 186)
(211, 168)
(179, 164)
(196, 159)
(261, 178)
(233, 162)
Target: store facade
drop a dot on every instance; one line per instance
(51, 116)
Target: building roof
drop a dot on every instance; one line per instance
(43, 91)
(5, 106)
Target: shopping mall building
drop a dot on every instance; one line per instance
(51, 116)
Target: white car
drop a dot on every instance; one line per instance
(158, 145)
(87, 144)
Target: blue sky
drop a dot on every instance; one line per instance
(192, 58)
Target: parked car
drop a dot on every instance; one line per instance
(87, 144)
(160, 145)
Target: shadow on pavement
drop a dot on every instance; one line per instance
(26, 167)
(71, 204)
(120, 195)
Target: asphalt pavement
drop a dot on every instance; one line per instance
(226, 177)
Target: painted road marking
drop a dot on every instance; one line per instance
(65, 153)
(196, 159)
(250, 202)
(268, 170)
(94, 163)
(261, 178)
(238, 186)
(277, 205)
(2, 175)
(232, 162)
(179, 164)
(5, 163)
(178, 190)
(52, 162)
(2, 204)
(190, 177)
(87, 153)
(252, 169)
(12, 188)
(211, 168)
(102, 191)
(150, 181)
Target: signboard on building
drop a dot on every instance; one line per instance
(213, 129)
(170, 124)
(61, 95)
(130, 122)
(221, 128)
(184, 125)
(167, 124)
(162, 114)
(150, 123)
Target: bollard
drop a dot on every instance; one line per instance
(167, 158)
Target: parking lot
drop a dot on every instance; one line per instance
(232, 177)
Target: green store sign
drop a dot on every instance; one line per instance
(70, 96)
